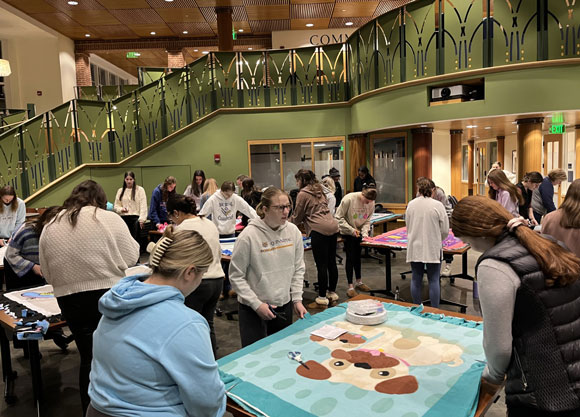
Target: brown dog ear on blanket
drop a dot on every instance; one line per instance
(402, 385)
(316, 371)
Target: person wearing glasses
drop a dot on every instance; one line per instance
(267, 269)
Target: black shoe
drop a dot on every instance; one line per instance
(62, 341)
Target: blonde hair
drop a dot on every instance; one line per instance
(479, 216)
(266, 200)
(210, 186)
(177, 251)
(328, 182)
(557, 174)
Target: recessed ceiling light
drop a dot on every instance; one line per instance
(87, 35)
(514, 131)
(309, 25)
(487, 127)
(205, 52)
(471, 126)
(514, 123)
(195, 50)
(423, 126)
(153, 33)
(349, 23)
(240, 30)
(343, 10)
(185, 32)
(73, 3)
(168, 1)
(249, 49)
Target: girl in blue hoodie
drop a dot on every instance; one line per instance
(152, 355)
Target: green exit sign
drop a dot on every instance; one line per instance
(558, 129)
(133, 54)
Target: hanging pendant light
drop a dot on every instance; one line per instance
(4, 68)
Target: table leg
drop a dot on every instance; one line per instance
(35, 373)
(8, 374)
(465, 275)
(388, 284)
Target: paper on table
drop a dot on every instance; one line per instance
(2, 253)
(328, 332)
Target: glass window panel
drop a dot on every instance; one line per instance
(265, 163)
(492, 154)
(329, 155)
(389, 170)
(464, 166)
(295, 157)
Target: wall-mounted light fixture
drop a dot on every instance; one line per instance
(5, 68)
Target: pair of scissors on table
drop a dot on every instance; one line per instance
(297, 356)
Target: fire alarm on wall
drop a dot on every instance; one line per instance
(216, 158)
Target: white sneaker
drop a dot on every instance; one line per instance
(446, 270)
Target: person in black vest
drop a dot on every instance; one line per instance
(335, 175)
(364, 179)
(530, 300)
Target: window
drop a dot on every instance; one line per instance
(274, 163)
(464, 163)
(390, 167)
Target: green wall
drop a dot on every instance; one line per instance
(511, 92)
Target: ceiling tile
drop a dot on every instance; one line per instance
(55, 20)
(63, 5)
(209, 14)
(264, 2)
(352, 9)
(145, 30)
(214, 3)
(74, 32)
(178, 4)
(180, 15)
(32, 6)
(267, 26)
(111, 32)
(340, 22)
(93, 17)
(239, 14)
(311, 1)
(124, 4)
(137, 16)
(245, 26)
(277, 12)
(192, 28)
(312, 10)
(300, 24)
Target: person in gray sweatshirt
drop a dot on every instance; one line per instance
(267, 269)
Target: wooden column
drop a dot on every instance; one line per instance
(470, 167)
(224, 21)
(456, 162)
(529, 145)
(577, 152)
(422, 154)
(501, 150)
(357, 156)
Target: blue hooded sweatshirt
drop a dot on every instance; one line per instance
(152, 355)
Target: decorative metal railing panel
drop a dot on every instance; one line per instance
(422, 39)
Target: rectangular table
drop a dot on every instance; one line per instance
(396, 240)
(488, 393)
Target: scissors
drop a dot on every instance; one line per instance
(297, 356)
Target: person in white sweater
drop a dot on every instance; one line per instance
(267, 269)
(84, 251)
(131, 204)
(427, 226)
(181, 210)
(354, 223)
(223, 205)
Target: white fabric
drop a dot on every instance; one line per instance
(267, 265)
(39, 299)
(91, 256)
(137, 207)
(223, 211)
(427, 227)
(209, 232)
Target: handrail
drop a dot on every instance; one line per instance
(405, 46)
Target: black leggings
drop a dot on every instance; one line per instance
(253, 328)
(204, 300)
(324, 252)
(352, 247)
(534, 412)
(81, 312)
(132, 223)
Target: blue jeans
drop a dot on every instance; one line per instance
(433, 271)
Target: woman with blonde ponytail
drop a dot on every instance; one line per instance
(152, 355)
(530, 300)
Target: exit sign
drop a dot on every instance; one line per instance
(133, 54)
(558, 129)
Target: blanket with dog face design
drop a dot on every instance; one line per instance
(414, 364)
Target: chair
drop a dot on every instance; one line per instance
(452, 200)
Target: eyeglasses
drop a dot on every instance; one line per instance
(282, 208)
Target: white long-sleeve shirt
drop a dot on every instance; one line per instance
(427, 227)
(137, 207)
(223, 211)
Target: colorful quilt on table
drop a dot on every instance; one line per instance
(414, 364)
(398, 239)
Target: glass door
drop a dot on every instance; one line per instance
(553, 160)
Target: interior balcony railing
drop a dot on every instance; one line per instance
(422, 39)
